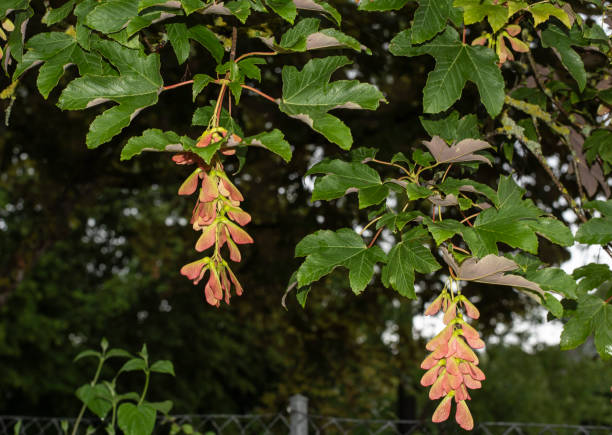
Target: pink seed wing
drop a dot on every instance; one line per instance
(450, 313)
(192, 270)
(430, 376)
(442, 411)
(210, 297)
(234, 193)
(207, 239)
(434, 307)
(429, 361)
(209, 190)
(239, 235)
(463, 416)
(190, 184)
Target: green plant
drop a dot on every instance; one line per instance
(128, 411)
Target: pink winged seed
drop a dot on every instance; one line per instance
(442, 412)
(463, 416)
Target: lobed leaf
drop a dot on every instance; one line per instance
(325, 250)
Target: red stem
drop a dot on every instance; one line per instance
(257, 91)
(375, 237)
(608, 300)
(188, 82)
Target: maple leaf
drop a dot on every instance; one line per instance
(308, 96)
(404, 258)
(460, 152)
(325, 250)
(490, 270)
(456, 63)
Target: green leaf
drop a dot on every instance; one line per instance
(599, 143)
(200, 81)
(208, 40)
(342, 176)
(397, 221)
(118, 353)
(443, 230)
(164, 407)
(248, 67)
(305, 35)
(190, 6)
(456, 63)
(475, 11)
(301, 295)
(415, 191)
(451, 128)
(111, 15)
(57, 50)
(151, 140)
(133, 364)
(308, 96)
(285, 8)
(241, 9)
(593, 276)
(553, 305)
(556, 38)
(431, 17)
(96, 398)
(604, 207)
(406, 257)
(11, 5)
(163, 366)
(455, 186)
(381, 5)
(178, 37)
(135, 88)
(597, 231)
(87, 353)
(273, 141)
(202, 117)
(592, 315)
(58, 14)
(542, 12)
(136, 419)
(508, 222)
(553, 230)
(554, 279)
(325, 250)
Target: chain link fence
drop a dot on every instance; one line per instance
(297, 421)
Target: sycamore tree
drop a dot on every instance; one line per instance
(541, 72)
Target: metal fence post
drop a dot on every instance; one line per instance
(298, 414)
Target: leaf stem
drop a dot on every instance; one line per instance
(408, 173)
(369, 224)
(469, 217)
(84, 407)
(375, 237)
(608, 300)
(167, 88)
(446, 172)
(257, 53)
(257, 91)
(146, 387)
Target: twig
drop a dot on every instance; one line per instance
(257, 91)
(375, 237)
(167, 88)
(257, 53)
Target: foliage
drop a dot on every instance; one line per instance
(546, 91)
(130, 412)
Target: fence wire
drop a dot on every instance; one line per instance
(272, 424)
